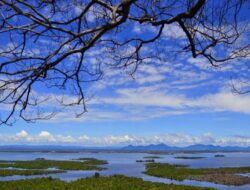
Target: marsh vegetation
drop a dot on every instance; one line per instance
(92, 161)
(148, 160)
(40, 163)
(11, 172)
(227, 176)
(75, 167)
(152, 157)
(116, 182)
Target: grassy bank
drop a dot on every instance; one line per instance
(92, 161)
(61, 165)
(102, 183)
(4, 172)
(152, 157)
(227, 176)
(152, 160)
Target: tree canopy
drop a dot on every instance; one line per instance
(48, 42)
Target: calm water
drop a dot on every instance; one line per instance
(125, 164)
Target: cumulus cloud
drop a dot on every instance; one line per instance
(22, 134)
(45, 137)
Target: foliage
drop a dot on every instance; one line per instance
(180, 172)
(153, 157)
(10, 172)
(62, 165)
(97, 175)
(152, 160)
(92, 161)
(116, 182)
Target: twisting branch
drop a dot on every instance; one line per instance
(46, 43)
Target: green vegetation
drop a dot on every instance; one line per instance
(116, 182)
(41, 163)
(219, 155)
(188, 157)
(152, 157)
(227, 176)
(92, 161)
(4, 172)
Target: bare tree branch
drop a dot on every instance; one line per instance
(46, 43)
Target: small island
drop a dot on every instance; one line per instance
(41, 166)
(151, 160)
(92, 161)
(188, 157)
(152, 157)
(219, 155)
(226, 176)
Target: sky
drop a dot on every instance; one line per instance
(178, 101)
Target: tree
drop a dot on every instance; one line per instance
(46, 42)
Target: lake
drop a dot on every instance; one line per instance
(125, 164)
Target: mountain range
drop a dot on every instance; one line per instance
(197, 147)
(129, 148)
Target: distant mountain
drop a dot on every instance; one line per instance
(129, 148)
(197, 147)
(51, 148)
(150, 147)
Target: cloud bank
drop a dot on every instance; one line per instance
(45, 137)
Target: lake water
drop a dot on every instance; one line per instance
(125, 164)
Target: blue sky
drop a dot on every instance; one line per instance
(181, 102)
(177, 100)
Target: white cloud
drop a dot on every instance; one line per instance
(225, 101)
(142, 79)
(201, 63)
(145, 97)
(173, 31)
(221, 101)
(45, 137)
(154, 101)
(159, 90)
(22, 134)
